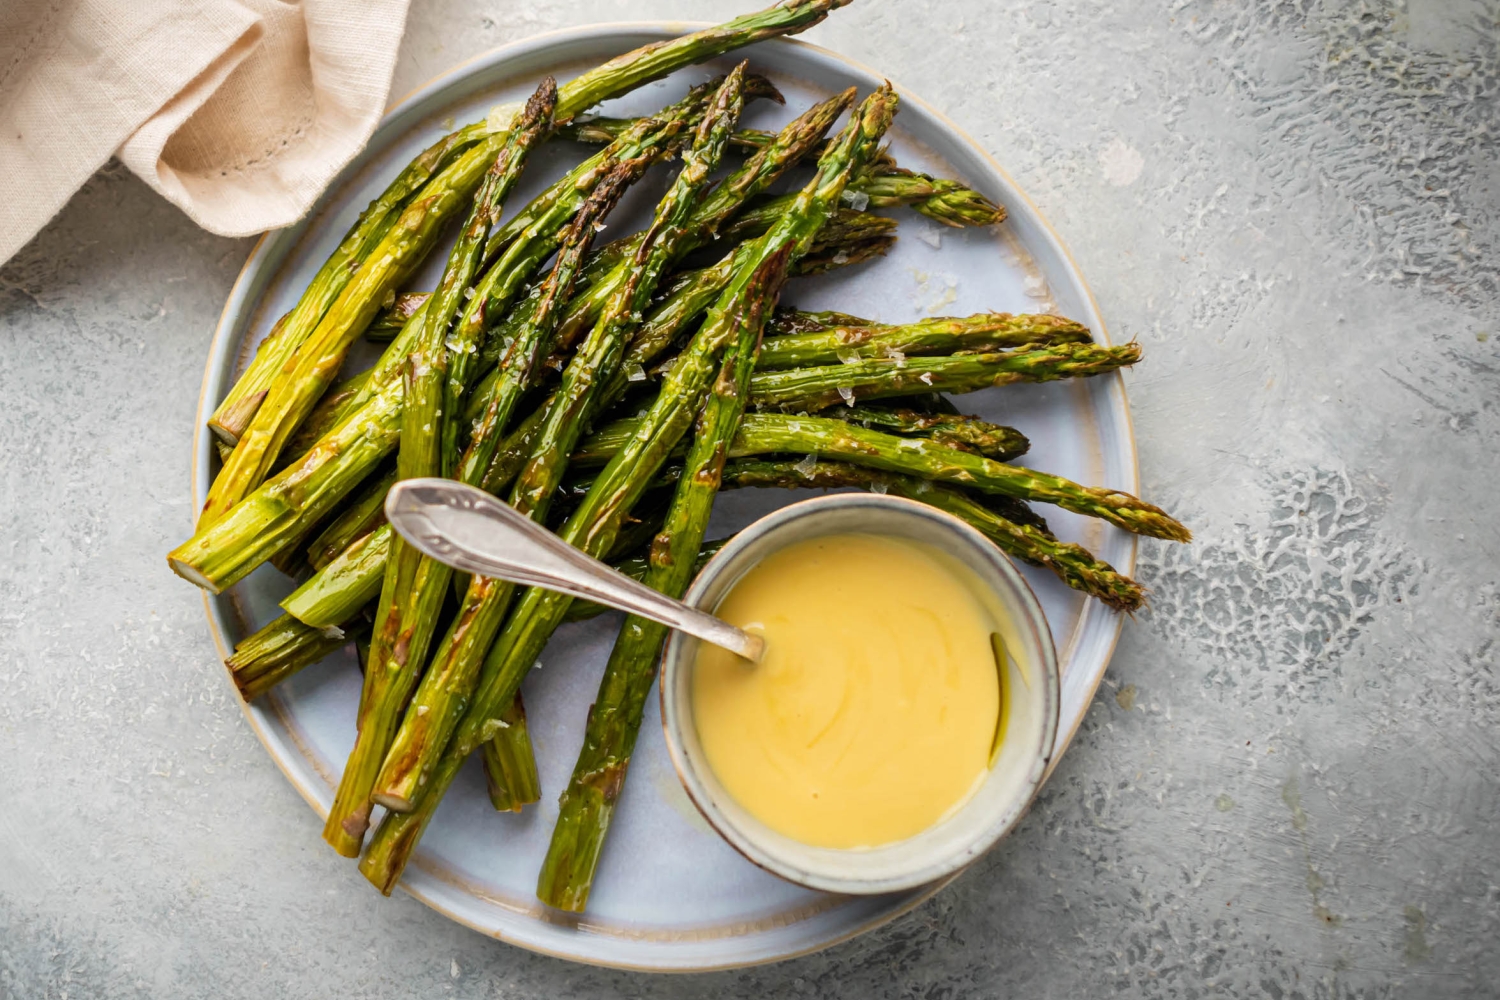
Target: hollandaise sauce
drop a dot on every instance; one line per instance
(875, 711)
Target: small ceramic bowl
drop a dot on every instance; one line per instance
(1030, 701)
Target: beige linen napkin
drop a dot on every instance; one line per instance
(237, 111)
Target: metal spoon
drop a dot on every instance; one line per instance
(469, 529)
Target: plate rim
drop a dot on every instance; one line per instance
(240, 306)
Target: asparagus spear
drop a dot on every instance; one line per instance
(711, 214)
(312, 365)
(444, 693)
(509, 765)
(341, 399)
(436, 379)
(619, 75)
(1073, 564)
(268, 657)
(363, 516)
(452, 360)
(805, 389)
(223, 551)
(416, 586)
(966, 433)
(789, 320)
(765, 433)
(773, 433)
(226, 551)
(952, 430)
(651, 62)
(848, 238)
(518, 366)
(347, 583)
(946, 201)
(288, 644)
(880, 185)
(944, 335)
(244, 397)
(587, 806)
(593, 526)
(342, 586)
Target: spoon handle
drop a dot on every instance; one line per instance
(471, 530)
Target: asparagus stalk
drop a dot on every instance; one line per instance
(223, 551)
(952, 430)
(944, 335)
(288, 644)
(947, 201)
(766, 433)
(444, 693)
(436, 380)
(349, 582)
(587, 806)
(963, 432)
(880, 185)
(310, 368)
(619, 75)
(244, 397)
(593, 526)
(651, 62)
(416, 586)
(711, 214)
(530, 345)
(226, 551)
(807, 389)
(509, 765)
(317, 359)
(453, 360)
(848, 238)
(1073, 564)
(268, 657)
(776, 433)
(789, 320)
(363, 516)
(341, 399)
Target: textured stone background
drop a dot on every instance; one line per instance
(1288, 785)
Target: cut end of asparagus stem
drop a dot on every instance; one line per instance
(347, 836)
(191, 574)
(231, 423)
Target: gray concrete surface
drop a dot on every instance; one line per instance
(1287, 787)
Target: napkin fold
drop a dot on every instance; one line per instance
(239, 112)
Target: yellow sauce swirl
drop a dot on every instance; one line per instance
(872, 715)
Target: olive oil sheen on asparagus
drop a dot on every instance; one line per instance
(873, 714)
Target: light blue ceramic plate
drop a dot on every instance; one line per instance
(670, 894)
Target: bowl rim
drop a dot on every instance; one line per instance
(1030, 620)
